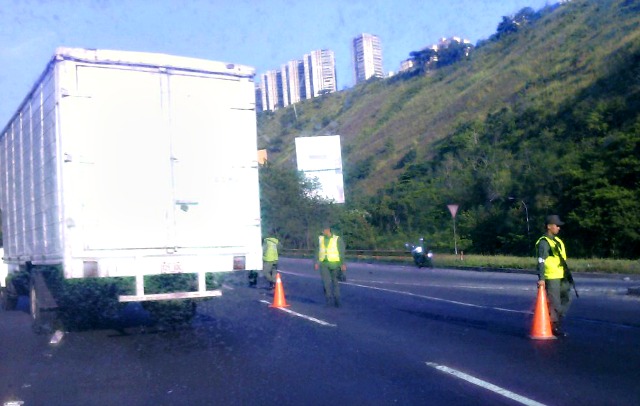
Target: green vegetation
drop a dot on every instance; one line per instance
(543, 117)
(591, 265)
(488, 262)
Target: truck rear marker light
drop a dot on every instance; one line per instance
(239, 263)
(89, 269)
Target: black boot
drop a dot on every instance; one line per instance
(253, 279)
(556, 330)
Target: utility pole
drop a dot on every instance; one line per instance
(453, 209)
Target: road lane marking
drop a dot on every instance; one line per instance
(486, 385)
(304, 316)
(56, 338)
(441, 300)
(502, 309)
(595, 290)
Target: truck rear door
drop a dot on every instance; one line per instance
(213, 155)
(126, 176)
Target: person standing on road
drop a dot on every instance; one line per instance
(270, 247)
(329, 260)
(552, 273)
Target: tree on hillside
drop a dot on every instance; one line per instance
(423, 59)
(430, 58)
(511, 24)
(290, 206)
(454, 52)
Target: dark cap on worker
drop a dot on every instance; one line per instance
(553, 219)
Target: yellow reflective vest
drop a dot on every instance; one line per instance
(553, 268)
(329, 252)
(270, 252)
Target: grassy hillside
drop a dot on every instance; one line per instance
(387, 124)
(542, 118)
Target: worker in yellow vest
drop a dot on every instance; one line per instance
(270, 247)
(330, 262)
(552, 273)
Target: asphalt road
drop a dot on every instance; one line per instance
(404, 336)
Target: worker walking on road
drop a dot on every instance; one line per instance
(329, 260)
(552, 273)
(270, 247)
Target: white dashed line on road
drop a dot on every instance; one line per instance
(304, 316)
(440, 299)
(485, 385)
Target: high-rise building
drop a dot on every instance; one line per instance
(283, 87)
(319, 73)
(259, 91)
(296, 80)
(269, 83)
(302, 83)
(367, 57)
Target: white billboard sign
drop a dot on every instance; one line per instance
(321, 158)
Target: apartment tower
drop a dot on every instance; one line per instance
(312, 76)
(269, 90)
(319, 73)
(367, 57)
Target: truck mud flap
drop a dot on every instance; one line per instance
(43, 306)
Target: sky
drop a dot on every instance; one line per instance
(264, 34)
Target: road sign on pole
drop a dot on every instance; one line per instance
(453, 209)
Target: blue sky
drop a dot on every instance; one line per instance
(263, 34)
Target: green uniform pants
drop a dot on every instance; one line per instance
(558, 297)
(269, 269)
(330, 271)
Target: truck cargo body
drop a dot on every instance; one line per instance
(126, 164)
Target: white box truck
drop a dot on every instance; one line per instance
(129, 165)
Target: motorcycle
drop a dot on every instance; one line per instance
(421, 257)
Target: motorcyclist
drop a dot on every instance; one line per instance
(421, 257)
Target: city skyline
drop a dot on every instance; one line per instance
(305, 78)
(315, 73)
(261, 35)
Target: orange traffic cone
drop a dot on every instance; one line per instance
(541, 329)
(278, 295)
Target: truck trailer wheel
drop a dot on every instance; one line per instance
(42, 307)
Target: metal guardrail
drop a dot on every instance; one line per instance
(352, 253)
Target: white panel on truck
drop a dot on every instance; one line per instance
(29, 187)
(130, 164)
(123, 174)
(213, 162)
